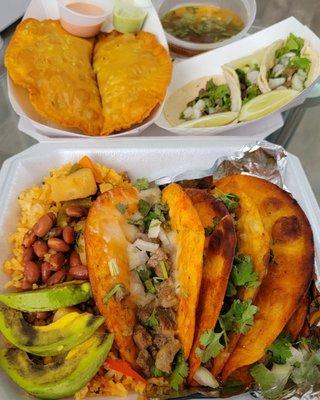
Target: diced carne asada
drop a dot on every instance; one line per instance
(166, 294)
(166, 321)
(160, 340)
(145, 312)
(154, 261)
(166, 355)
(144, 362)
(141, 337)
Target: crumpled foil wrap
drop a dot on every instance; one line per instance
(267, 161)
(264, 159)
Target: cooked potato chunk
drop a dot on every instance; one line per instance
(78, 185)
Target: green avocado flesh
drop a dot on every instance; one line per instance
(64, 376)
(49, 340)
(59, 296)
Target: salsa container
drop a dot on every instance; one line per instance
(149, 157)
(210, 64)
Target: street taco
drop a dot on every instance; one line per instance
(144, 255)
(289, 64)
(242, 76)
(208, 98)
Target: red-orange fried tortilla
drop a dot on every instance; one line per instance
(218, 258)
(298, 319)
(289, 274)
(107, 236)
(252, 241)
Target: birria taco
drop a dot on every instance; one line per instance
(144, 254)
(289, 64)
(204, 102)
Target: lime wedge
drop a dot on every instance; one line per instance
(210, 121)
(266, 104)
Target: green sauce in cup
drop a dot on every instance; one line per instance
(127, 17)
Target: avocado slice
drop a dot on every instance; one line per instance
(49, 340)
(62, 295)
(64, 376)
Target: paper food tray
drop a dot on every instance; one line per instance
(19, 97)
(150, 157)
(210, 64)
(258, 130)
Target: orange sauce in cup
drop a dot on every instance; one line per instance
(85, 8)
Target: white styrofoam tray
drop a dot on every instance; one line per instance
(149, 157)
(19, 97)
(210, 63)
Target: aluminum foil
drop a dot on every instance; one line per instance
(264, 159)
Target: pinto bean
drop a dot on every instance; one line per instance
(68, 234)
(28, 254)
(56, 261)
(79, 272)
(45, 271)
(26, 285)
(31, 271)
(74, 259)
(44, 224)
(40, 248)
(29, 238)
(42, 315)
(58, 245)
(76, 211)
(57, 277)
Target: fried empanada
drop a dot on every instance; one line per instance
(55, 67)
(290, 271)
(218, 258)
(298, 319)
(106, 238)
(133, 73)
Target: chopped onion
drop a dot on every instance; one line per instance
(188, 112)
(113, 267)
(252, 76)
(146, 246)
(151, 195)
(164, 238)
(154, 229)
(274, 83)
(278, 70)
(200, 104)
(136, 257)
(205, 378)
(297, 83)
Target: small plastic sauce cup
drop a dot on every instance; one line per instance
(84, 18)
(128, 17)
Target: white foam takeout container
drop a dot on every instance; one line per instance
(19, 98)
(210, 64)
(149, 157)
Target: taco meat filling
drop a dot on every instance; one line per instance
(153, 287)
(211, 100)
(291, 68)
(248, 79)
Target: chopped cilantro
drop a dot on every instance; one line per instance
(157, 373)
(180, 372)
(111, 293)
(231, 290)
(141, 184)
(163, 267)
(293, 44)
(211, 341)
(144, 274)
(152, 321)
(300, 63)
(243, 273)
(252, 92)
(239, 318)
(281, 349)
(263, 376)
(208, 230)
(230, 200)
(121, 207)
(150, 286)
(144, 207)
